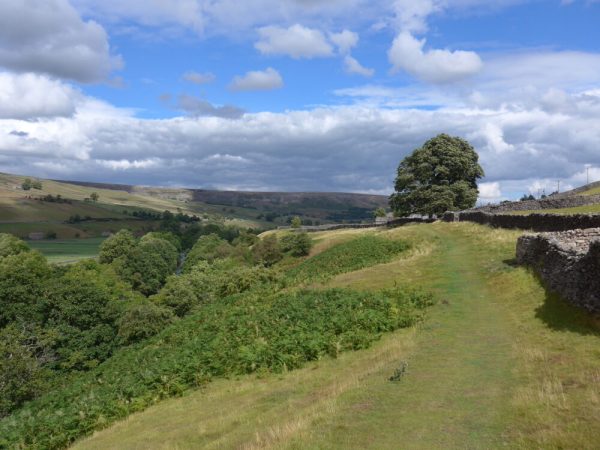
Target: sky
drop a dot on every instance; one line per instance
(299, 95)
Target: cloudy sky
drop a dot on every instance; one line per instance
(294, 95)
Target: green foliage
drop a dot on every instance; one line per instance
(83, 309)
(167, 236)
(347, 257)
(296, 222)
(379, 212)
(23, 352)
(11, 245)
(207, 248)
(27, 184)
(23, 279)
(118, 245)
(94, 196)
(36, 184)
(267, 251)
(296, 244)
(242, 334)
(438, 177)
(208, 282)
(148, 265)
(143, 320)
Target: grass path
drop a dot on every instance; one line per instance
(456, 393)
(497, 364)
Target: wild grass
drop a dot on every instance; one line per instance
(69, 250)
(499, 363)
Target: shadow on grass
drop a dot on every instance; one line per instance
(560, 315)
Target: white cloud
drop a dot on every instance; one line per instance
(490, 192)
(436, 66)
(31, 96)
(345, 40)
(265, 80)
(353, 66)
(49, 36)
(199, 78)
(199, 107)
(296, 41)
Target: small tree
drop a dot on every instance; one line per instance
(296, 222)
(438, 177)
(380, 212)
(267, 251)
(94, 196)
(36, 184)
(26, 185)
(296, 244)
(117, 245)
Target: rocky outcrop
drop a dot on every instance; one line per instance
(568, 263)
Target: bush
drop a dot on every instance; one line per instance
(148, 265)
(242, 334)
(142, 321)
(207, 248)
(267, 251)
(208, 282)
(11, 245)
(296, 244)
(23, 352)
(23, 280)
(116, 246)
(167, 236)
(353, 255)
(83, 309)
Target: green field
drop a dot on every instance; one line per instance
(499, 363)
(68, 250)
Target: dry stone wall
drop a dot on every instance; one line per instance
(534, 222)
(568, 262)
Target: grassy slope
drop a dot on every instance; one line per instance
(585, 209)
(499, 363)
(68, 250)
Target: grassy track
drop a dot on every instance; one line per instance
(498, 364)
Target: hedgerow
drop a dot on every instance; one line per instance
(237, 335)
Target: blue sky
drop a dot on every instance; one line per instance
(298, 94)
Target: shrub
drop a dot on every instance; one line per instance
(23, 279)
(11, 245)
(23, 352)
(239, 335)
(207, 248)
(267, 251)
(142, 321)
(116, 246)
(148, 265)
(167, 236)
(296, 244)
(83, 309)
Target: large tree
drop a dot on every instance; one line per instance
(438, 177)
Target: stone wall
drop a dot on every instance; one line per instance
(554, 202)
(339, 226)
(534, 222)
(568, 263)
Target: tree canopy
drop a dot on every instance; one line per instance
(438, 177)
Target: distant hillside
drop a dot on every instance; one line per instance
(321, 206)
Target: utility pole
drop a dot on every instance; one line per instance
(587, 172)
(558, 189)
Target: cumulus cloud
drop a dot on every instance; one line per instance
(345, 40)
(31, 96)
(351, 148)
(353, 66)
(265, 80)
(49, 37)
(199, 78)
(436, 66)
(296, 41)
(489, 192)
(198, 107)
